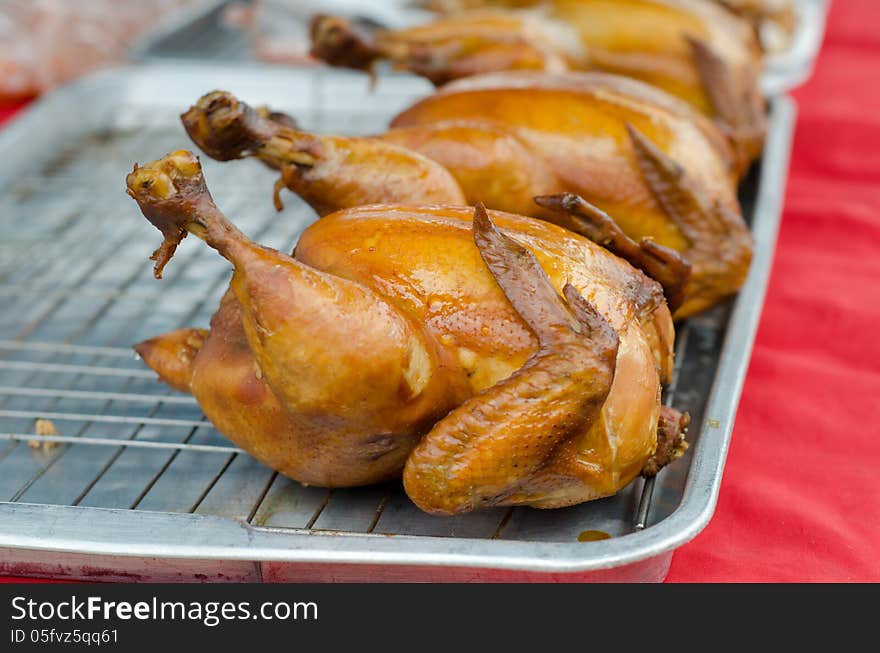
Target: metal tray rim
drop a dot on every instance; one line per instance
(25, 526)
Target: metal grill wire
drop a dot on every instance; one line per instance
(76, 291)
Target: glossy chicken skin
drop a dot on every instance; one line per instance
(693, 49)
(501, 361)
(643, 157)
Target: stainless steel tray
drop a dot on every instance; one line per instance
(141, 486)
(204, 36)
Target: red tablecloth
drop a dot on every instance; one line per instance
(799, 501)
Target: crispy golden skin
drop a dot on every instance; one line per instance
(395, 326)
(693, 49)
(648, 160)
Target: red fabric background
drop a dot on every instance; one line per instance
(800, 500)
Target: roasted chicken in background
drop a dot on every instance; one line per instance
(492, 359)
(773, 20)
(693, 49)
(660, 169)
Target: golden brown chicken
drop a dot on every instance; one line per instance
(499, 359)
(661, 170)
(693, 49)
(774, 21)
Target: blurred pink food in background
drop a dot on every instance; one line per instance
(47, 42)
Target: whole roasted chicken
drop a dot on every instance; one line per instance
(661, 170)
(693, 49)
(774, 21)
(492, 359)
